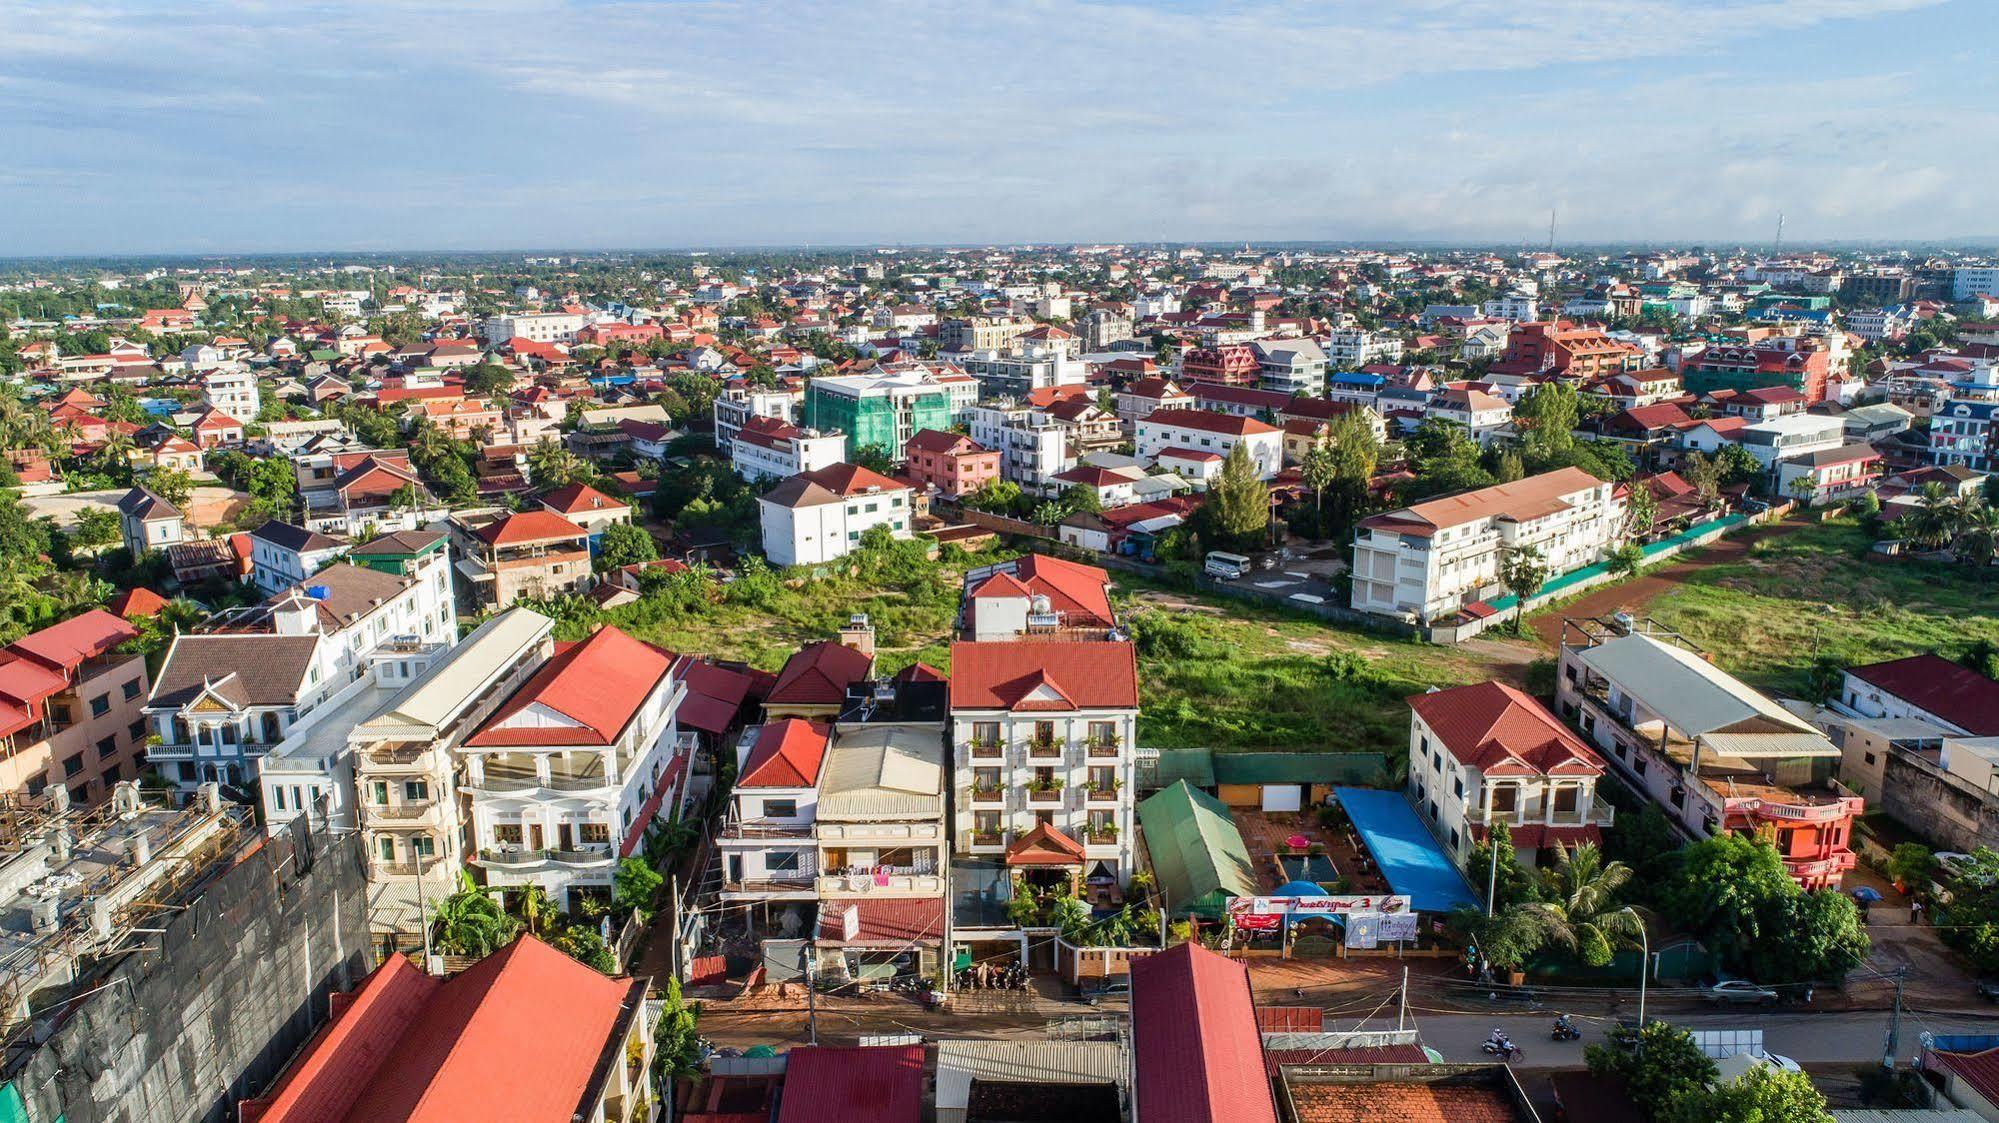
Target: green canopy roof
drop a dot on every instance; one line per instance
(1197, 854)
(1196, 766)
(1300, 768)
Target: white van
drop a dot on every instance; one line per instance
(1227, 566)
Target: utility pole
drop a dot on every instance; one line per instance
(1402, 1009)
(1551, 230)
(1492, 870)
(673, 925)
(811, 954)
(1892, 1046)
(1778, 247)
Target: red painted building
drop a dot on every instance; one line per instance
(1232, 364)
(951, 463)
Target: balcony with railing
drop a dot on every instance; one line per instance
(1103, 748)
(513, 773)
(1099, 836)
(1043, 793)
(408, 867)
(1095, 792)
(882, 880)
(737, 829)
(1045, 748)
(983, 841)
(584, 855)
(987, 749)
(512, 857)
(398, 756)
(402, 812)
(991, 794)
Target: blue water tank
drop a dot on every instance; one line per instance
(318, 592)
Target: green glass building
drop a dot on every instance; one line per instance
(877, 410)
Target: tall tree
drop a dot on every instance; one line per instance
(1581, 905)
(1242, 502)
(1523, 571)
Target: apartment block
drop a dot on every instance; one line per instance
(71, 709)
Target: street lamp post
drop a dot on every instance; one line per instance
(1644, 968)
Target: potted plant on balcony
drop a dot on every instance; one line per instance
(989, 744)
(1100, 788)
(987, 789)
(1049, 786)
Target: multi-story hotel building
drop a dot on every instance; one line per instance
(1427, 562)
(1714, 754)
(572, 769)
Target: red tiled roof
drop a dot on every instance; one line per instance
(884, 920)
(1045, 846)
(921, 672)
(1275, 1059)
(1540, 836)
(875, 1083)
(1177, 452)
(1501, 731)
(529, 526)
(1980, 1070)
(137, 602)
(1401, 1101)
(1080, 592)
(517, 1036)
(1207, 421)
(1951, 691)
(1195, 1047)
(578, 497)
(939, 441)
(787, 755)
(1290, 1019)
(819, 674)
(1005, 675)
(600, 684)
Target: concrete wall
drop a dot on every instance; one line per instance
(1921, 796)
(210, 1011)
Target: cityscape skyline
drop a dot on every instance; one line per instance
(244, 129)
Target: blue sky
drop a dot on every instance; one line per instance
(152, 126)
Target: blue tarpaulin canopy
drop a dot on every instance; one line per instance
(1410, 859)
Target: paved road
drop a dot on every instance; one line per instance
(1806, 1037)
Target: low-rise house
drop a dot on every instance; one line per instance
(282, 555)
(1165, 432)
(147, 522)
(573, 769)
(1829, 475)
(1138, 399)
(588, 508)
(1482, 415)
(1037, 595)
(949, 463)
(1430, 561)
(1714, 754)
(769, 851)
(1488, 754)
(817, 516)
(1790, 436)
(71, 709)
(814, 682)
(508, 555)
(356, 493)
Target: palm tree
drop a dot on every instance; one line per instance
(1977, 534)
(536, 910)
(1581, 911)
(471, 922)
(1935, 519)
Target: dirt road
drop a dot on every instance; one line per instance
(1638, 593)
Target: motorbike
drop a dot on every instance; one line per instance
(1566, 1030)
(1505, 1051)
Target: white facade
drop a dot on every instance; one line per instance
(1202, 431)
(1033, 447)
(1347, 348)
(1792, 435)
(233, 392)
(1973, 281)
(1073, 770)
(540, 327)
(760, 456)
(819, 528)
(1426, 562)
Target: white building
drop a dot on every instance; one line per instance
(740, 401)
(539, 327)
(1293, 366)
(572, 770)
(233, 392)
(1165, 431)
(1486, 754)
(1350, 347)
(1042, 735)
(1033, 446)
(769, 851)
(1973, 281)
(1481, 414)
(283, 555)
(765, 449)
(816, 516)
(226, 697)
(1004, 374)
(1426, 562)
(1791, 435)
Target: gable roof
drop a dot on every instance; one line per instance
(1197, 852)
(1207, 421)
(1080, 592)
(247, 669)
(297, 539)
(1503, 732)
(819, 674)
(580, 497)
(520, 1035)
(878, 1083)
(787, 754)
(1951, 691)
(1029, 676)
(529, 526)
(1528, 498)
(143, 505)
(1196, 1051)
(600, 684)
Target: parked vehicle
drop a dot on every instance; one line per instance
(1988, 989)
(1227, 566)
(1738, 992)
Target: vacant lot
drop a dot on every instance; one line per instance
(1213, 672)
(1765, 612)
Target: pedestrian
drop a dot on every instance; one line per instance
(1916, 912)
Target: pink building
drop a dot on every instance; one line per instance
(951, 463)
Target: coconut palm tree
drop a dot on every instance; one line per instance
(1580, 908)
(1935, 518)
(471, 922)
(1977, 535)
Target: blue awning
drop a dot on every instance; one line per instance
(1410, 859)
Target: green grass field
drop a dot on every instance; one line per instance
(1811, 592)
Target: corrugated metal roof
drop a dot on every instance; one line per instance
(1023, 1062)
(883, 772)
(1906, 1115)
(1196, 766)
(1693, 695)
(1755, 746)
(456, 678)
(1299, 768)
